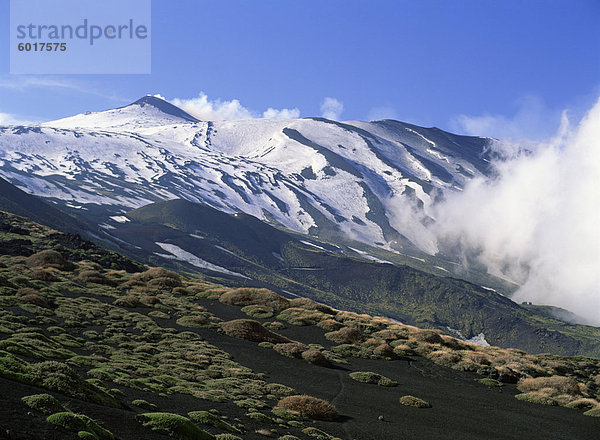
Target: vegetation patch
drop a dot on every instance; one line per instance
(557, 385)
(259, 311)
(490, 382)
(175, 426)
(81, 424)
(246, 296)
(373, 378)
(308, 406)
(44, 403)
(594, 412)
(54, 376)
(49, 258)
(414, 402)
(300, 317)
(290, 349)
(207, 418)
(345, 335)
(252, 331)
(318, 434)
(315, 357)
(541, 398)
(144, 404)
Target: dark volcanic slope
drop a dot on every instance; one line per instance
(462, 408)
(78, 326)
(267, 255)
(18, 202)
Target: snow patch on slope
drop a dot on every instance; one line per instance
(190, 258)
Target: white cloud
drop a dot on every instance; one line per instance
(8, 119)
(537, 220)
(331, 108)
(379, 113)
(205, 108)
(284, 113)
(532, 120)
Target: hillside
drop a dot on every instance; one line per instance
(93, 345)
(14, 200)
(177, 232)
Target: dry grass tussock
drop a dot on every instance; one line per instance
(157, 272)
(309, 304)
(246, 296)
(290, 349)
(414, 402)
(49, 258)
(345, 335)
(557, 385)
(308, 406)
(252, 331)
(315, 357)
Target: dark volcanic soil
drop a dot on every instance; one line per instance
(462, 408)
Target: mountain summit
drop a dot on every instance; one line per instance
(148, 111)
(164, 106)
(371, 182)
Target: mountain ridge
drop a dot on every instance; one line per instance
(289, 172)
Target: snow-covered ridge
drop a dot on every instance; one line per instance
(356, 179)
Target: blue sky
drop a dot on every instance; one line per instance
(498, 68)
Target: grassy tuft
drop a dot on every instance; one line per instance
(345, 335)
(594, 412)
(315, 357)
(49, 258)
(489, 382)
(308, 406)
(79, 423)
(207, 418)
(372, 378)
(44, 403)
(251, 330)
(259, 311)
(246, 296)
(175, 426)
(141, 403)
(414, 402)
(290, 349)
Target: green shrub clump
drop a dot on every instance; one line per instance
(54, 376)
(44, 403)
(81, 424)
(414, 402)
(175, 426)
(374, 378)
(141, 403)
(207, 418)
(308, 406)
(490, 382)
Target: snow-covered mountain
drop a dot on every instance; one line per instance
(372, 182)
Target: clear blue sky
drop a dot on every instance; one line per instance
(502, 65)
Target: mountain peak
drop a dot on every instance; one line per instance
(164, 107)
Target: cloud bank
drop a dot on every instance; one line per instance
(204, 108)
(331, 108)
(538, 220)
(9, 119)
